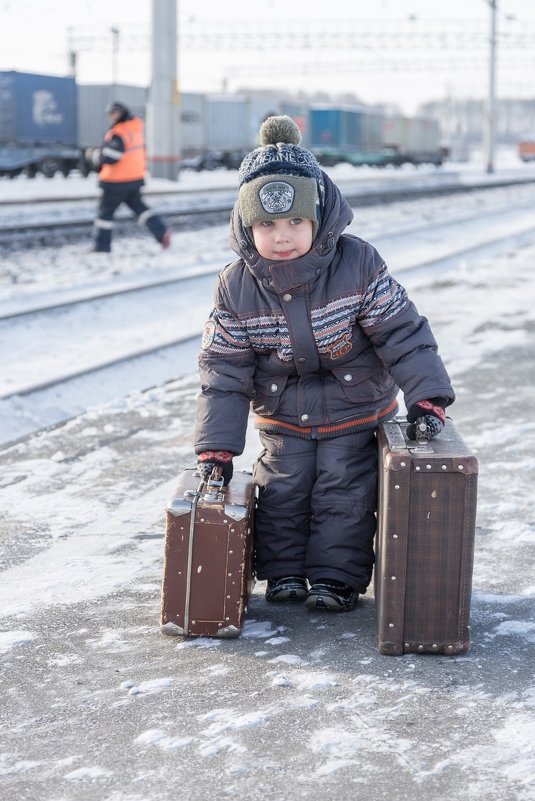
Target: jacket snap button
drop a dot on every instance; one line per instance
(304, 417)
(301, 360)
(274, 387)
(287, 297)
(348, 377)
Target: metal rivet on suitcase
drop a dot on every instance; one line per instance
(461, 467)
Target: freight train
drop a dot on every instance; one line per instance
(47, 122)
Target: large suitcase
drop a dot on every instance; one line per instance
(425, 541)
(207, 575)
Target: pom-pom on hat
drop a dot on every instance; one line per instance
(280, 179)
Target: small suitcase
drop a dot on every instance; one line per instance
(425, 541)
(207, 575)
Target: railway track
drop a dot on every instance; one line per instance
(26, 308)
(213, 211)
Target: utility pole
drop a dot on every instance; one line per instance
(162, 106)
(71, 53)
(491, 103)
(114, 54)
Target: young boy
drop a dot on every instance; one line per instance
(309, 327)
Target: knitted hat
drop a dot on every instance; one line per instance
(280, 179)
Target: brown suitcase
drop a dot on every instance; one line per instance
(425, 541)
(207, 574)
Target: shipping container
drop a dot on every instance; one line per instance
(395, 135)
(191, 117)
(335, 127)
(92, 101)
(412, 139)
(372, 132)
(299, 113)
(227, 123)
(260, 108)
(37, 109)
(423, 135)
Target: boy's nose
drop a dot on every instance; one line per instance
(281, 235)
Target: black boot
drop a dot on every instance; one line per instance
(331, 596)
(289, 588)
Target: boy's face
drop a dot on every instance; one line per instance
(283, 239)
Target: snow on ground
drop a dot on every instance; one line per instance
(97, 704)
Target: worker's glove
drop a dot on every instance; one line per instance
(207, 460)
(426, 418)
(93, 156)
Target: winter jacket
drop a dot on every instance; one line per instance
(319, 345)
(123, 154)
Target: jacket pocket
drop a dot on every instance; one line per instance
(268, 394)
(364, 384)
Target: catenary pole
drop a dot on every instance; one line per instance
(491, 103)
(162, 105)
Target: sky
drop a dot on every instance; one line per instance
(403, 51)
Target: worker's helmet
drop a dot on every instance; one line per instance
(116, 106)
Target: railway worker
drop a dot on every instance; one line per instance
(121, 166)
(311, 329)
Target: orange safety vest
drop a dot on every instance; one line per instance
(131, 166)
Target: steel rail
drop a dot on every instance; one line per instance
(30, 389)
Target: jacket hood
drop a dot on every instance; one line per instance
(337, 214)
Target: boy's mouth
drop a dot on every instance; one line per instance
(283, 254)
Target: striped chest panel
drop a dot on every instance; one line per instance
(332, 321)
(332, 325)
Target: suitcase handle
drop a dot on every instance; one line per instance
(422, 431)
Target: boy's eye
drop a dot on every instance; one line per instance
(296, 220)
(267, 223)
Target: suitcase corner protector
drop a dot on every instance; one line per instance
(229, 632)
(171, 629)
(390, 648)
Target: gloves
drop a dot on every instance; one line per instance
(207, 460)
(429, 412)
(92, 156)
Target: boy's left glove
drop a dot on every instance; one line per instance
(207, 460)
(429, 413)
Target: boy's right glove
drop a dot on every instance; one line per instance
(207, 460)
(429, 412)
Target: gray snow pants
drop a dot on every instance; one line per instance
(316, 508)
